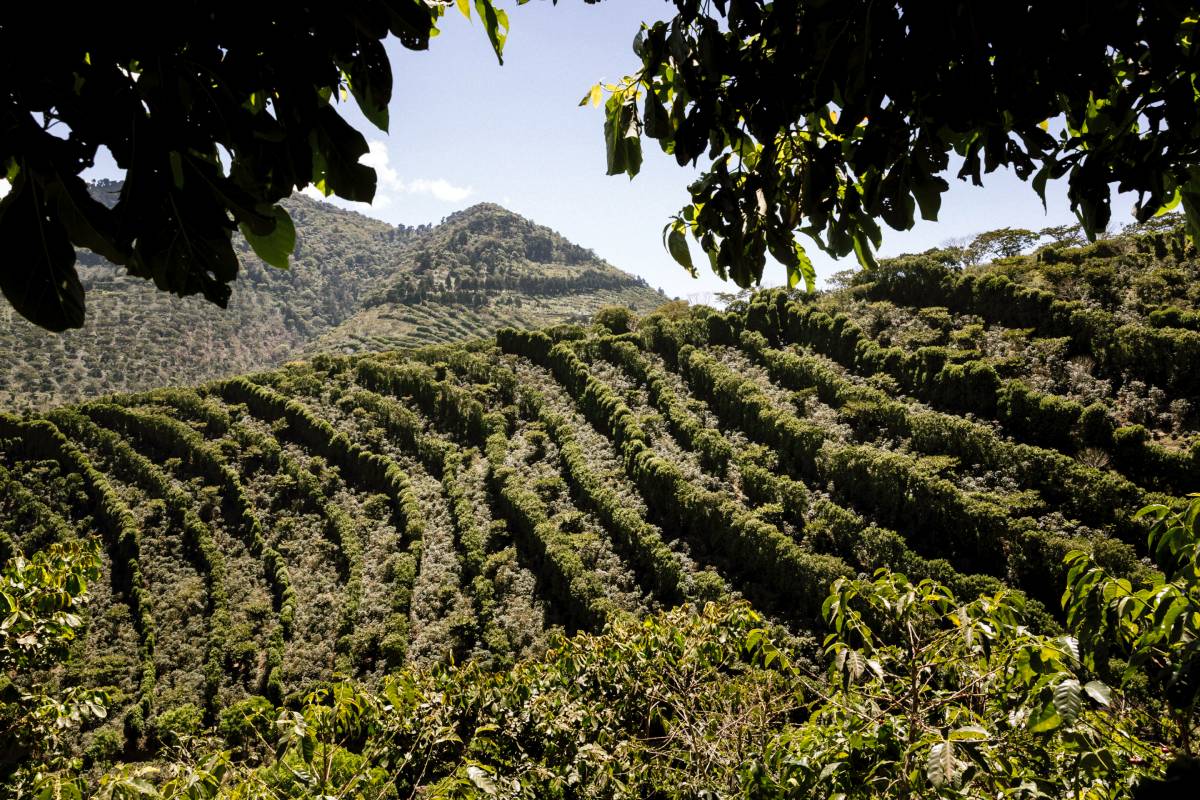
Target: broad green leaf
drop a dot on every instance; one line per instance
(1068, 700)
(805, 269)
(658, 121)
(464, 7)
(928, 192)
(89, 223)
(1171, 204)
(621, 137)
(1044, 719)
(495, 22)
(370, 81)
(337, 150)
(1098, 692)
(46, 288)
(969, 733)
(276, 247)
(482, 780)
(862, 251)
(940, 766)
(678, 247)
(593, 97)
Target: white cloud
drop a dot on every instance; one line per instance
(389, 183)
(377, 157)
(440, 188)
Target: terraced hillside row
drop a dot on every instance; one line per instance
(349, 514)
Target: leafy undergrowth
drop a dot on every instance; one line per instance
(348, 517)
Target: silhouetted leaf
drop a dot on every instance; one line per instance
(38, 275)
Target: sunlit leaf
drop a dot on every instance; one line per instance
(969, 733)
(1043, 719)
(940, 766)
(1098, 692)
(677, 246)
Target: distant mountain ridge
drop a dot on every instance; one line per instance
(496, 269)
(356, 283)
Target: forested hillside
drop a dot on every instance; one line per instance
(137, 337)
(354, 513)
(478, 271)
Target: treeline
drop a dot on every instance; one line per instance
(475, 290)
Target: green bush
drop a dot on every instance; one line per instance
(173, 726)
(617, 319)
(247, 724)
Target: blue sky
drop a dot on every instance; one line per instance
(466, 130)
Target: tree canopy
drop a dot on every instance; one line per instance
(823, 117)
(219, 113)
(819, 117)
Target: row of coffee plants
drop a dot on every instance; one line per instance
(441, 616)
(638, 540)
(975, 533)
(232, 648)
(167, 438)
(509, 535)
(371, 471)
(973, 385)
(827, 526)
(189, 404)
(1175, 317)
(448, 462)
(507, 617)
(132, 467)
(758, 548)
(275, 484)
(25, 512)
(42, 439)
(459, 414)
(1168, 356)
(552, 552)
(1094, 496)
(136, 468)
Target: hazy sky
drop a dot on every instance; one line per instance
(466, 130)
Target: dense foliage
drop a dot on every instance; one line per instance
(355, 284)
(823, 118)
(379, 517)
(925, 695)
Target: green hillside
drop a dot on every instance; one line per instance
(347, 288)
(352, 514)
(478, 271)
